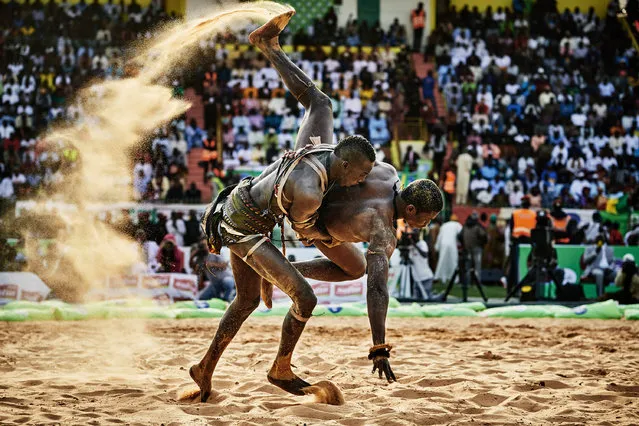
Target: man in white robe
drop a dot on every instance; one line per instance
(446, 246)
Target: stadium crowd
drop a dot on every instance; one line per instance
(542, 105)
(48, 51)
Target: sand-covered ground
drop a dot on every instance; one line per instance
(450, 371)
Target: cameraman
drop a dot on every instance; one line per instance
(473, 238)
(521, 225)
(542, 260)
(420, 269)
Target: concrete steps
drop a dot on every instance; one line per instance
(422, 68)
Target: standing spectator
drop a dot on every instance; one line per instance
(176, 228)
(494, 250)
(438, 145)
(464, 166)
(149, 251)
(473, 238)
(428, 87)
(418, 20)
(193, 194)
(410, 159)
(446, 246)
(563, 226)
(192, 227)
(420, 269)
(6, 186)
(175, 194)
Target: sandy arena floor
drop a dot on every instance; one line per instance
(451, 371)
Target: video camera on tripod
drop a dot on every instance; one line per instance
(543, 262)
(406, 241)
(466, 271)
(541, 237)
(413, 281)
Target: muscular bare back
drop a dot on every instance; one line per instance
(347, 213)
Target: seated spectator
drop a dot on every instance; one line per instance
(599, 262)
(614, 235)
(221, 283)
(378, 130)
(628, 280)
(170, 258)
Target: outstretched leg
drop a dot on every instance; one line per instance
(318, 118)
(273, 267)
(343, 263)
(247, 299)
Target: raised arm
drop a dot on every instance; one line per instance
(382, 244)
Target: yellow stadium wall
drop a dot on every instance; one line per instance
(599, 5)
(177, 6)
(142, 3)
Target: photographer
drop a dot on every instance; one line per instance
(542, 261)
(521, 225)
(563, 226)
(473, 238)
(420, 269)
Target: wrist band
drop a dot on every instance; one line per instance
(381, 346)
(380, 350)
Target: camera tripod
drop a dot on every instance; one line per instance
(474, 279)
(537, 275)
(405, 281)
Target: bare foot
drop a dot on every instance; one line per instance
(293, 385)
(268, 33)
(198, 377)
(325, 392)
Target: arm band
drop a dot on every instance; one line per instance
(307, 223)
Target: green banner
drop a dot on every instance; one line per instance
(568, 256)
(621, 219)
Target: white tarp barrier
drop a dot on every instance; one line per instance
(167, 287)
(22, 286)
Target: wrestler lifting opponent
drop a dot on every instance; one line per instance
(368, 213)
(293, 187)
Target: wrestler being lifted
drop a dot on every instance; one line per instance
(369, 213)
(242, 217)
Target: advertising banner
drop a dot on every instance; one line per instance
(331, 293)
(167, 287)
(22, 286)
